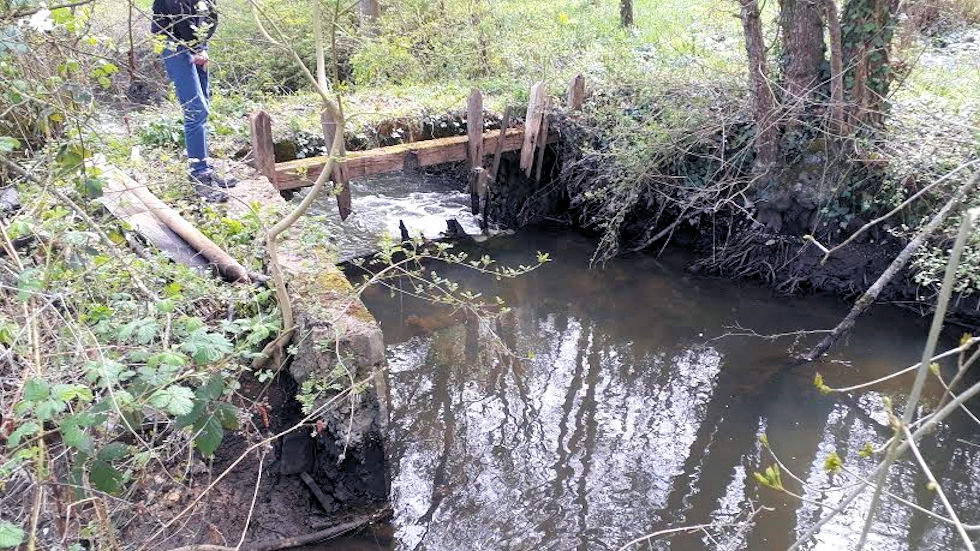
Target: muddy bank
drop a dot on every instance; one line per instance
(729, 242)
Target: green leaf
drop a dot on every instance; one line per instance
(92, 187)
(105, 477)
(70, 157)
(11, 535)
(107, 372)
(23, 431)
(205, 347)
(833, 463)
(67, 392)
(867, 451)
(73, 436)
(29, 282)
(212, 389)
(113, 451)
(771, 478)
(191, 417)
(8, 332)
(36, 390)
(8, 144)
(173, 359)
(176, 400)
(228, 415)
(48, 409)
(820, 385)
(209, 436)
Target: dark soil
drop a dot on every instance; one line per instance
(284, 505)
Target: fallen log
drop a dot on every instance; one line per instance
(124, 190)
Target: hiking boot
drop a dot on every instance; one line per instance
(210, 178)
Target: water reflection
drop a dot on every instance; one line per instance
(621, 417)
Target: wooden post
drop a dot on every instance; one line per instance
(263, 150)
(474, 146)
(474, 128)
(532, 126)
(499, 151)
(478, 188)
(542, 142)
(576, 93)
(341, 182)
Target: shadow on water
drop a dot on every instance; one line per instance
(621, 413)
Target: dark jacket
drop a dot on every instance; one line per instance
(191, 22)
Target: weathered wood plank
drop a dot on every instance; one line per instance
(263, 150)
(576, 93)
(499, 150)
(127, 207)
(532, 126)
(541, 142)
(474, 128)
(361, 164)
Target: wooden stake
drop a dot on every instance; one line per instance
(499, 152)
(478, 188)
(474, 128)
(341, 182)
(263, 150)
(542, 142)
(532, 126)
(576, 93)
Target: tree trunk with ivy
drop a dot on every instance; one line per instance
(867, 27)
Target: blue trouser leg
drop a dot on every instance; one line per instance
(191, 83)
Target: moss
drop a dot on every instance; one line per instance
(332, 280)
(359, 311)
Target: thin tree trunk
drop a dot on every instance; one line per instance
(370, 11)
(626, 13)
(836, 67)
(765, 104)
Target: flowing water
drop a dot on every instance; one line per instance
(423, 202)
(621, 413)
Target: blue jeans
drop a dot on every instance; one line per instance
(194, 94)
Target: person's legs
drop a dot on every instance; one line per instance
(204, 76)
(194, 100)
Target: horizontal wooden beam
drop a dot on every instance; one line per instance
(397, 158)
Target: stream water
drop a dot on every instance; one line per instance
(621, 411)
(627, 416)
(424, 202)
